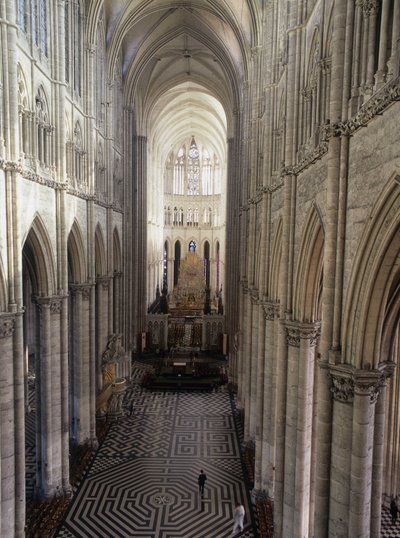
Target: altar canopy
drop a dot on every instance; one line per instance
(189, 294)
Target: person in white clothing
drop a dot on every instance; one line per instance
(238, 517)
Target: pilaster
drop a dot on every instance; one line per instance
(7, 433)
(81, 366)
(271, 317)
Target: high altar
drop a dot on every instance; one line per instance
(192, 322)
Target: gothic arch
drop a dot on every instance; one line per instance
(3, 289)
(23, 94)
(42, 106)
(39, 258)
(258, 273)
(372, 304)
(274, 283)
(77, 256)
(307, 297)
(313, 54)
(327, 49)
(100, 252)
(117, 253)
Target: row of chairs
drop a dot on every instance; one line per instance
(265, 515)
(44, 517)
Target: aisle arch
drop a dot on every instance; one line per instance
(374, 277)
(308, 276)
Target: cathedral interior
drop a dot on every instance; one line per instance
(199, 267)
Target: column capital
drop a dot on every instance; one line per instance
(7, 324)
(292, 334)
(271, 310)
(342, 383)
(254, 296)
(104, 281)
(348, 381)
(83, 289)
(310, 332)
(297, 331)
(367, 383)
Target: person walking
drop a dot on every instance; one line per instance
(202, 480)
(238, 517)
(394, 509)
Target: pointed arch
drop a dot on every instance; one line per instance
(39, 258)
(373, 302)
(117, 252)
(313, 55)
(100, 252)
(77, 254)
(42, 106)
(274, 282)
(307, 292)
(23, 95)
(3, 289)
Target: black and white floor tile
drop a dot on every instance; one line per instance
(143, 480)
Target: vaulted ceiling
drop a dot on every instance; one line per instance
(183, 63)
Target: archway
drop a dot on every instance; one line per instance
(42, 366)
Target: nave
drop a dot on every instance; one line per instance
(143, 480)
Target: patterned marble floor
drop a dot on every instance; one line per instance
(143, 480)
(388, 530)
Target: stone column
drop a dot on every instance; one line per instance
(378, 459)
(45, 459)
(92, 365)
(323, 448)
(261, 415)
(7, 440)
(366, 389)
(393, 63)
(293, 342)
(246, 363)
(102, 333)
(65, 396)
(56, 394)
(383, 38)
(371, 13)
(117, 329)
(308, 339)
(80, 358)
(342, 419)
(269, 423)
(253, 419)
(281, 376)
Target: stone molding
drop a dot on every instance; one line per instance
(7, 325)
(375, 106)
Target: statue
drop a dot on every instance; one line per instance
(111, 356)
(236, 342)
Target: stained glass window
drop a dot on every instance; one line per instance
(193, 180)
(43, 25)
(66, 23)
(21, 15)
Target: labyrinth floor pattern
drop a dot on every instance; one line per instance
(143, 481)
